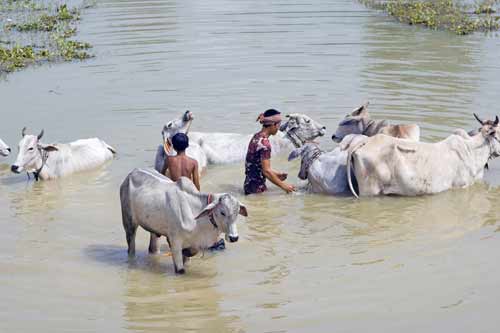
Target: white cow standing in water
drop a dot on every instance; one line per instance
(4, 149)
(221, 148)
(50, 161)
(191, 220)
(388, 165)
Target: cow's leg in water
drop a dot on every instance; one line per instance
(153, 243)
(188, 253)
(177, 257)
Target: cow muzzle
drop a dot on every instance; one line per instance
(233, 239)
(15, 169)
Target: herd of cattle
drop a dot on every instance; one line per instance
(372, 158)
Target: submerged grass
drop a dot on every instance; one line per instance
(50, 28)
(442, 14)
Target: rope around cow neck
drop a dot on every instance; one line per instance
(45, 155)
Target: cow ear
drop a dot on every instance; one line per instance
(294, 154)
(49, 148)
(207, 210)
(361, 111)
(243, 210)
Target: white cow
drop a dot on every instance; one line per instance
(221, 148)
(388, 165)
(359, 122)
(232, 147)
(326, 171)
(179, 125)
(191, 220)
(4, 149)
(58, 160)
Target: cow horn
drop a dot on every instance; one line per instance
(40, 135)
(23, 131)
(477, 118)
(496, 121)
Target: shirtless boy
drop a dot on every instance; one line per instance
(181, 165)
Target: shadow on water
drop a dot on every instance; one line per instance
(113, 255)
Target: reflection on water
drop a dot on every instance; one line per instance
(303, 262)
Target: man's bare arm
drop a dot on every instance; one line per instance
(275, 177)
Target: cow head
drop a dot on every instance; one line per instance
(490, 129)
(225, 211)
(355, 123)
(29, 157)
(4, 149)
(309, 152)
(300, 129)
(179, 125)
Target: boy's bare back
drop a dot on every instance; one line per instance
(183, 166)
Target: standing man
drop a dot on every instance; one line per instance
(258, 160)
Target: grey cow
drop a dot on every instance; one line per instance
(191, 220)
(359, 122)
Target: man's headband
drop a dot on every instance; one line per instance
(271, 120)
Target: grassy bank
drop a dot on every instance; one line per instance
(449, 15)
(34, 32)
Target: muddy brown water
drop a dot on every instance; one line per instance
(304, 262)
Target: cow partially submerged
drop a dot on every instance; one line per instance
(179, 125)
(4, 149)
(387, 165)
(326, 171)
(222, 148)
(191, 220)
(359, 122)
(50, 161)
(232, 147)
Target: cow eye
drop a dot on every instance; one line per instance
(222, 213)
(30, 149)
(308, 121)
(169, 125)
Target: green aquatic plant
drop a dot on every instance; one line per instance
(46, 22)
(485, 8)
(440, 14)
(71, 49)
(16, 5)
(50, 30)
(17, 57)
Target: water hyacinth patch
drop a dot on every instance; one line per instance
(441, 14)
(47, 27)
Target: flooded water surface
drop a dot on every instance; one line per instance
(304, 262)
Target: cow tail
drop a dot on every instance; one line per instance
(349, 159)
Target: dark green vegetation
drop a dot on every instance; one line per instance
(442, 14)
(34, 33)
